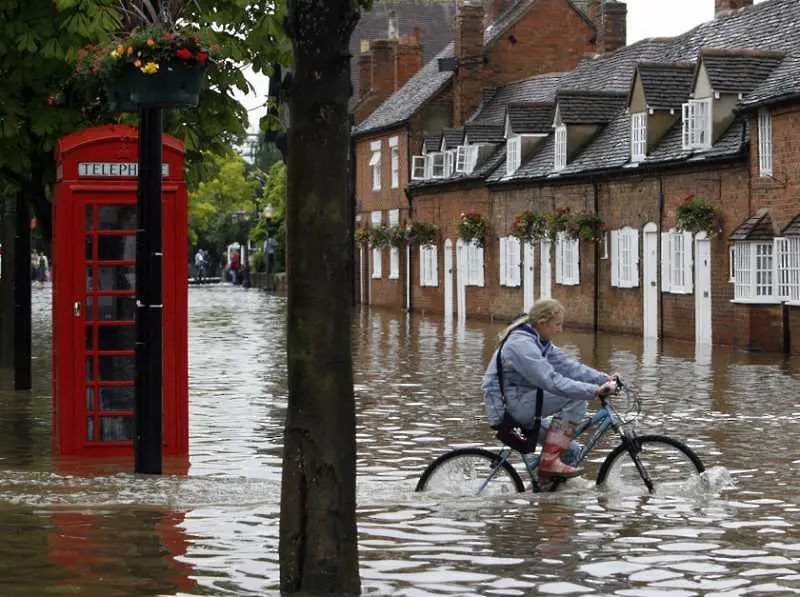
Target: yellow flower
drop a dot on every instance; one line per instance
(150, 68)
(114, 54)
(120, 48)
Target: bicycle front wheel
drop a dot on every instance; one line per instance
(470, 471)
(669, 463)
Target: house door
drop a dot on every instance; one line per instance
(448, 278)
(461, 279)
(702, 292)
(527, 276)
(104, 309)
(546, 282)
(650, 281)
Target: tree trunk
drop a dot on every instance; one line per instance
(318, 536)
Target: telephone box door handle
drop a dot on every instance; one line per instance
(76, 308)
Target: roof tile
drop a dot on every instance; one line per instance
(666, 86)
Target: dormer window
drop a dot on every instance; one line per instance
(513, 154)
(697, 124)
(471, 158)
(638, 136)
(418, 164)
(461, 158)
(435, 165)
(561, 148)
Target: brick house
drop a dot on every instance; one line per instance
(504, 41)
(709, 115)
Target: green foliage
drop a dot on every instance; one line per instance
(422, 234)
(379, 236)
(696, 215)
(472, 228)
(361, 235)
(397, 236)
(529, 226)
(587, 227)
(558, 220)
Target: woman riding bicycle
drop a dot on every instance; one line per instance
(531, 366)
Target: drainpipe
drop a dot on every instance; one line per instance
(660, 256)
(596, 323)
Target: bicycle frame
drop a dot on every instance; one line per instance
(604, 419)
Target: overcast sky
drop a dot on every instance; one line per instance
(646, 18)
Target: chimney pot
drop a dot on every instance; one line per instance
(394, 29)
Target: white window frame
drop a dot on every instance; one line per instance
(471, 158)
(513, 154)
(638, 136)
(461, 158)
(560, 157)
(428, 266)
(510, 261)
(766, 271)
(418, 167)
(604, 247)
(394, 153)
(567, 260)
(697, 123)
(377, 254)
(625, 258)
(394, 252)
(375, 164)
(676, 262)
(765, 142)
(449, 162)
(474, 263)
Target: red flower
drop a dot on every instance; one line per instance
(183, 54)
(51, 101)
(201, 56)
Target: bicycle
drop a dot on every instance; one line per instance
(650, 458)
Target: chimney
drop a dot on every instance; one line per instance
(469, 51)
(409, 59)
(364, 70)
(496, 8)
(383, 57)
(615, 33)
(610, 18)
(726, 7)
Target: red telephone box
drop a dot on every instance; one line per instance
(94, 293)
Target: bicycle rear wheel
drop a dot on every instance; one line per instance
(468, 471)
(670, 463)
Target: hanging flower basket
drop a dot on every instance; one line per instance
(361, 236)
(586, 227)
(558, 221)
(397, 236)
(379, 237)
(529, 226)
(696, 215)
(472, 227)
(422, 234)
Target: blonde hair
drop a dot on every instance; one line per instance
(542, 311)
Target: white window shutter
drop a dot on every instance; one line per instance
(434, 269)
(422, 265)
(559, 260)
(479, 264)
(635, 258)
(665, 262)
(502, 256)
(516, 261)
(688, 278)
(615, 260)
(576, 261)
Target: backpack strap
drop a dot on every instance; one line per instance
(508, 421)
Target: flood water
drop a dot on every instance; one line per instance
(213, 529)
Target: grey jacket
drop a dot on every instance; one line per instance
(530, 362)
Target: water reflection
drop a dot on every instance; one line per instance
(210, 526)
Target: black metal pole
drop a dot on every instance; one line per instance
(22, 295)
(148, 389)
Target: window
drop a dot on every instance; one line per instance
(471, 158)
(394, 252)
(567, 264)
(766, 271)
(376, 252)
(461, 158)
(449, 162)
(676, 262)
(418, 164)
(604, 247)
(428, 266)
(638, 136)
(435, 165)
(697, 124)
(394, 150)
(625, 258)
(510, 261)
(513, 154)
(375, 164)
(765, 142)
(561, 148)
